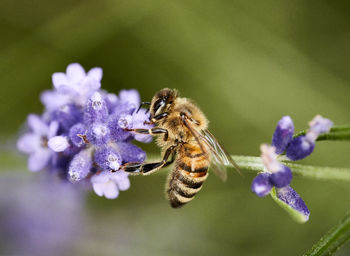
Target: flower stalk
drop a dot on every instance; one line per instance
(255, 164)
(340, 132)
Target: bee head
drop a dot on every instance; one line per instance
(162, 101)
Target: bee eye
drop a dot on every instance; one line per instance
(157, 105)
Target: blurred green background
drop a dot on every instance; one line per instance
(245, 63)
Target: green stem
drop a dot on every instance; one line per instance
(333, 240)
(340, 132)
(255, 164)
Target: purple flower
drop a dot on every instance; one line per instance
(80, 166)
(279, 175)
(109, 184)
(73, 87)
(108, 158)
(288, 196)
(76, 81)
(34, 143)
(283, 134)
(82, 135)
(262, 185)
(301, 146)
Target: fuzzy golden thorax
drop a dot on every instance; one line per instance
(166, 101)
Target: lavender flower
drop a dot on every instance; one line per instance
(279, 175)
(35, 142)
(81, 134)
(301, 146)
(109, 184)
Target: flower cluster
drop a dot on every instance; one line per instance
(279, 175)
(81, 134)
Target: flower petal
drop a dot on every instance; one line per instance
(58, 143)
(130, 96)
(281, 178)
(111, 190)
(59, 80)
(299, 148)
(131, 153)
(37, 125)
(107, 158)
(75, 72)
(95, 109)
(98, 134)
(98, 188)
(101, 177)
(53, 100)
(320, 124)
(53, 128)
(77, 133)
(95, 73)
(261, 185)
(289, 200)
(29, 143)
(80, 166)
(39, 159)
(138, 121)
(123, 184)
(283, 134)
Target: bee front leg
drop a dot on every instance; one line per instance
(152, 131)
(147, 168)
(143, 103)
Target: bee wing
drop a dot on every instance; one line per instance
(220, 158)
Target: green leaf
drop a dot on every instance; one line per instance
(333, 240)
(296, 215)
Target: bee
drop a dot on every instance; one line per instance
(182, 134)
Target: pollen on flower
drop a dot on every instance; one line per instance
(82, 128)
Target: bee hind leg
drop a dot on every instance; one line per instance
(147, 168)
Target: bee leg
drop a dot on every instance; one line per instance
(151, 131)
(171, 160)
(146, 168)
(160, 116)
(143, 103)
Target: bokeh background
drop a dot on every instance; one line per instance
(245, 63)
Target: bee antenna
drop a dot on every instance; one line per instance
(143, 103)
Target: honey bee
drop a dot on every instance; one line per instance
(182, 134)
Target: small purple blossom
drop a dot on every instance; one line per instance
(262, 185)
(279, 175)
(301, 146)
(109, 184)
(283, 134)
(288, 196)
(108, 158)
(82, 135)
(34, 143)
(80, 166)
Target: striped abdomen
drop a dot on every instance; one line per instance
(188, 175)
